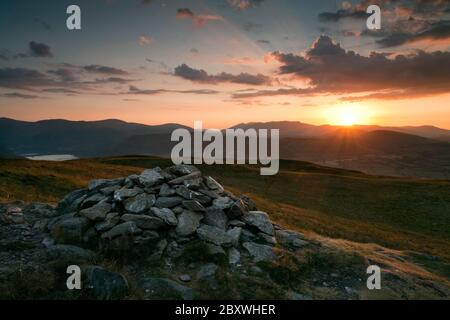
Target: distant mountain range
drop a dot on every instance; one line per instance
(400, 151)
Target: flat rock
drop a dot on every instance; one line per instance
(66, 251)
(190, 176)
(213, 184)
(144, 221)
(216, 217)
(237, 210)
(182, 169)
(103, 183)
(97, 212)
(166, 190)
(235, 235)
(223, 203)
(168, 202)
(151, 177)
(166, 215)
(193, 205)
(124, 193)
(214, 235)
(104, 284)
(288, 238)
(234, 256)
(259, 220)
(123, 229)
(188, 223)
(207, 271)
(140, 204)
(260, 252)
(70, 230)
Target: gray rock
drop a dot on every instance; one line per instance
(193, 205)
(166, 190)
(168, 202)
(104, 284)
(214, 235)
(207, 271)
(71, 202)
(53, 221)
(234, 256)
(213, 184)
(215, 250)
(70, 230)
(109, 190)
(260, 220)
(162, 289)
(188, 223)
(249, 203)
(69, 252)
(92, 200)
(267, 239)
(211, 194)
(97, 212)
(184, 192)
(248, 236)
(123, 229)
(237, 210)
(216, 217)
(104, 183)
(144, 221)
(110, 221)
(235, 235)
(166, 215)
(236, 223)
(124, 193)
(178, 210)
(140, 204)
(48, 242)
(151, 177)
(146, 237)
(190, 176)
(194, 184)
(260, 252)
(182, 169)
(185, 278)
(290, 239)
(223, 203)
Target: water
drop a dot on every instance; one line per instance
(53, 157)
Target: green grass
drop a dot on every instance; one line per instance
(402, 213)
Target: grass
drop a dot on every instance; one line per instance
(400, 213)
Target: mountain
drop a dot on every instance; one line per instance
(397, 151)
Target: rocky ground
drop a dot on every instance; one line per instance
(171, 234)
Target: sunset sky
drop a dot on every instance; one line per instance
(227, 61)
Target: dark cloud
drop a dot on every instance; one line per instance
(201, 76)
(61, 90)
(40, 50)
(245, 4)
(342, 14)
(95, 68)
(136, 90)
(20, 96)
(64, 74)
(262, 41)
(330, 69)
(22, 78)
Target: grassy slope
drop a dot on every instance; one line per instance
(398, 213)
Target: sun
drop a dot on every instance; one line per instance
(348, 115)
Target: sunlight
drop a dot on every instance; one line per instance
(348, 115)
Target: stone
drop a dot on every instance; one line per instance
(214, 235)
(190, 176)
(213, 184)
(97, 212)
(146, 237)
(211, 194)
(207, 271)
(111, 220)
(103, 183)
(109, 190)
(182, 169)
(188, 223)
(259, 220)
(185, 278)
(124, 193)
(235, 235)
(222, 203)
(193, 184)
(291, 239)
(236, 223)
(215, 250)
(69, 252)
(184, 192)
(168, 202)
(144, 221)
(267, 239)
(234, 256)
(248, 236)
(216, 217)
(166, 190)
(123, 229)
(163, 289)
(249, 203)
(177, 210)
(104, 284)
(237, 210)
(70, 230)
(260, 252)
(140, 204)
(193, 205)
(166, 215)
(71, 202)
(151, 177)
(92, 200)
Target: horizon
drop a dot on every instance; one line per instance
(226, 62)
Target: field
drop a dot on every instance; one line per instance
(397, 213)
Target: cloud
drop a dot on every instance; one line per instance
(64, 74)
(136, 90)
(252, 27)
(199, 20)
(342, 14)
(201, 76)
(245, 4)
(330, 69)
(144, 41)
(40, 50)
(262, 41)
(20, 96)
(95, 68)
(22, 78)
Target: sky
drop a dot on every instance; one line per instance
(225, 62)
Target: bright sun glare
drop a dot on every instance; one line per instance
(349, 115)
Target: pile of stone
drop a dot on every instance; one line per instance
(169, 207)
